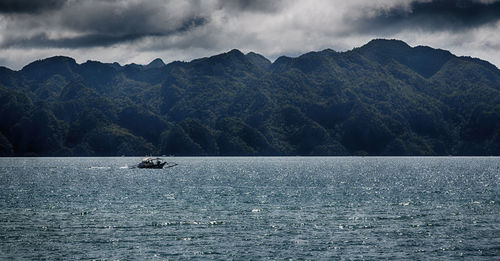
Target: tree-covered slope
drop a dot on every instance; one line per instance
(384, 98)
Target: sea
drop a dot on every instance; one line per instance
(251, 208)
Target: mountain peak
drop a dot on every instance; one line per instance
(59, 58)
(386, 43)
(115, 65)
(51, 61)
(258, 60)
(235, 52)
(43, 69)
(91, 62)
(156, 63)
(422, 59)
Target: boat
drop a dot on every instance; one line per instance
(155, 163)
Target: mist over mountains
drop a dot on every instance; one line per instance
(384, 98)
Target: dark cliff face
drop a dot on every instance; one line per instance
(384, 98)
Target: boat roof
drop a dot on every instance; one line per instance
(150, 158)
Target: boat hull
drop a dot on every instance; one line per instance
(155, 166)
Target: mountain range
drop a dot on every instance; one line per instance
(384, 98)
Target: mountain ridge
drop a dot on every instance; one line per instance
(383, 98)
(158, 62)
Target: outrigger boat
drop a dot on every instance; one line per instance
(155, 163)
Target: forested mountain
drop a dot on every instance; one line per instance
(384, 98)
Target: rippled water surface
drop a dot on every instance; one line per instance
(250, 208)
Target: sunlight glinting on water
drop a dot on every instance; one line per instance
(250, 207)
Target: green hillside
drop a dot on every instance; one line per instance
(384, 98)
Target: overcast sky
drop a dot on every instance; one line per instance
(137, 31)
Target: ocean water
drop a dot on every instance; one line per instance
(345, 208)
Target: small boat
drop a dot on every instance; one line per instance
(154, 163)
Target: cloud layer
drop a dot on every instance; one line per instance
(141, 30)
(437, 15)
(29, 6)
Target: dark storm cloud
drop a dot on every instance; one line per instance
(29, 6)
(95, 23)
(99, 39)
(90, 40)
(146, 18)
(436, 15)
(251, 5)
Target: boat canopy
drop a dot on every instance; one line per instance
(150, 159)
